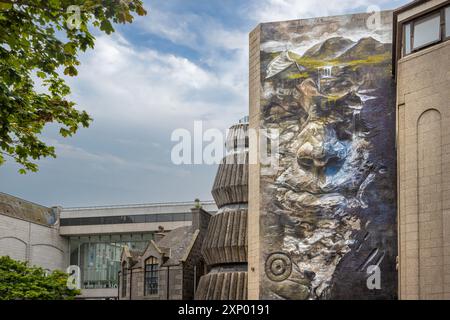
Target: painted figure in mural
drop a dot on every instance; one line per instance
(333, 194)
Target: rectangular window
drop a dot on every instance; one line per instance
(164, 217)
(124, 280)
(407, 35)
(147, 236)
(150, 218)
(138, 218)
(447, 22)
(179, 217)
(427, 31)
(151, 276)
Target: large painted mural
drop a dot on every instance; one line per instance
(328, 213)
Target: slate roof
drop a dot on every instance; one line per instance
(178, 241)
(175, 245)
(135, 255)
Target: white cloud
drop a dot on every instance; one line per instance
(172, 26)
(107, 161)
(68, 151)
(146, 87)
(280, 10)
(201, 33)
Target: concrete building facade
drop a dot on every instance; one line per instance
(30, 232)
(422, 60)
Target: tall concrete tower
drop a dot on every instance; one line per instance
(225, 244)
(422, 61)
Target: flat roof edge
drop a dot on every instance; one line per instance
(143, 205)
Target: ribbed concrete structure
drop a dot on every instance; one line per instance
(225, 245)
(223, 285)
(226, 240)
(230, 185)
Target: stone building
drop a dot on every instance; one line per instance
(170, 267)
(422, 72)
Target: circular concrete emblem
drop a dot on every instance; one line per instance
(278, 266)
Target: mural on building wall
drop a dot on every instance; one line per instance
(328, 215)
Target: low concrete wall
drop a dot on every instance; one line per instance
(40, 245)
(98, 294)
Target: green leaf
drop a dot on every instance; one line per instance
(70, 48)
(5, 6)
(18, 281)
(71, 71)
(141, 11)
(106, 26)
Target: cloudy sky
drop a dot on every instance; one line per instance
(186, 60)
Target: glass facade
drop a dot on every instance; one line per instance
(142, 218)
(99, 257)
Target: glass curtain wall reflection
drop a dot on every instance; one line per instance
(99, 257)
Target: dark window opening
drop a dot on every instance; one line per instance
(124, 279)
(151, 276)
(143, 218)
(447, 22)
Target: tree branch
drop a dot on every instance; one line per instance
(26, 3)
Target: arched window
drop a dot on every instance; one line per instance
(124, 279)
(151, 276)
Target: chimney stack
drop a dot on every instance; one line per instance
(160, 234)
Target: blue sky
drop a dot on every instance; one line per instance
(186, 60)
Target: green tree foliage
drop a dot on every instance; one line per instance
(18, 281)
(41, 39)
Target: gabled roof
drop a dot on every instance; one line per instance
(174, 248)
(179, 242)
(131, 256)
